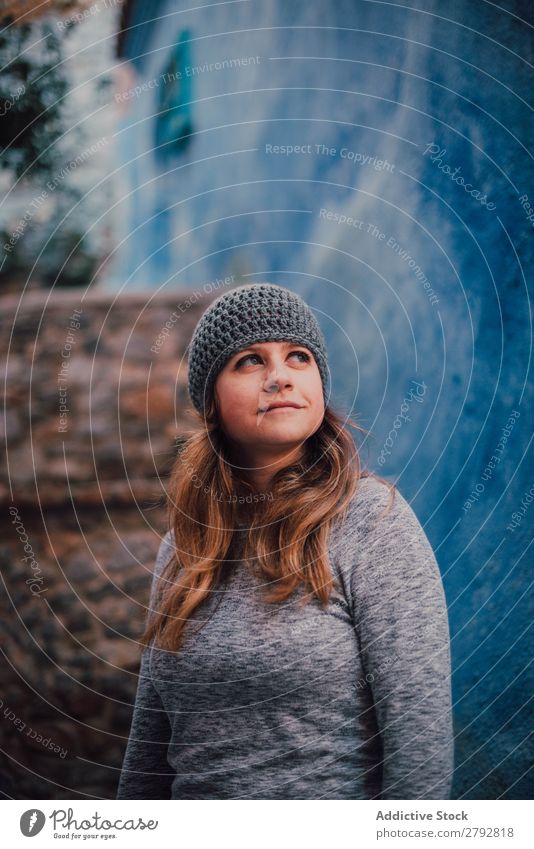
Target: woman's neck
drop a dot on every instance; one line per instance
(259, 471)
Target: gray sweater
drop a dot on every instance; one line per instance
(273, 701)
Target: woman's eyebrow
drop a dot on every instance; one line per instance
(258, 345)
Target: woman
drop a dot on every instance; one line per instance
(298, 646)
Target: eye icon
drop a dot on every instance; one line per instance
(31, 822)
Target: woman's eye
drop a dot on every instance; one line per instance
(249, 357)
(257, 357)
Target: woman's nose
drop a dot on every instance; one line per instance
(277, 375)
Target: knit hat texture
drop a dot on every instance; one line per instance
(260, 312)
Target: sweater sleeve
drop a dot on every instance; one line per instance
(146, 773)
(401, 619)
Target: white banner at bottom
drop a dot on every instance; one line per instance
(264, 824)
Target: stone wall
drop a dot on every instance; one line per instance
(95, 397)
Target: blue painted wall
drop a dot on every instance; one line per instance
(423, 296)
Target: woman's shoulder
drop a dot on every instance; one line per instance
(165, 552)
(167, 540)
(377, 505)
(373, 495)
(382, 538)
(373, 490)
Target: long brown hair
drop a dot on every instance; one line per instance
(287, 528)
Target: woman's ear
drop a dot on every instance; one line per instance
(212, 410)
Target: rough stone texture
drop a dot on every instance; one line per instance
(90, 502)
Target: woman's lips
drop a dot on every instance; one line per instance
(281, 409)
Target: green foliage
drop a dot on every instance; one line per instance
(41, 240)
(32, 86)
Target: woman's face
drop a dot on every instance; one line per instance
(259, 376)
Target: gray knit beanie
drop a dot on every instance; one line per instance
(260, 312)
